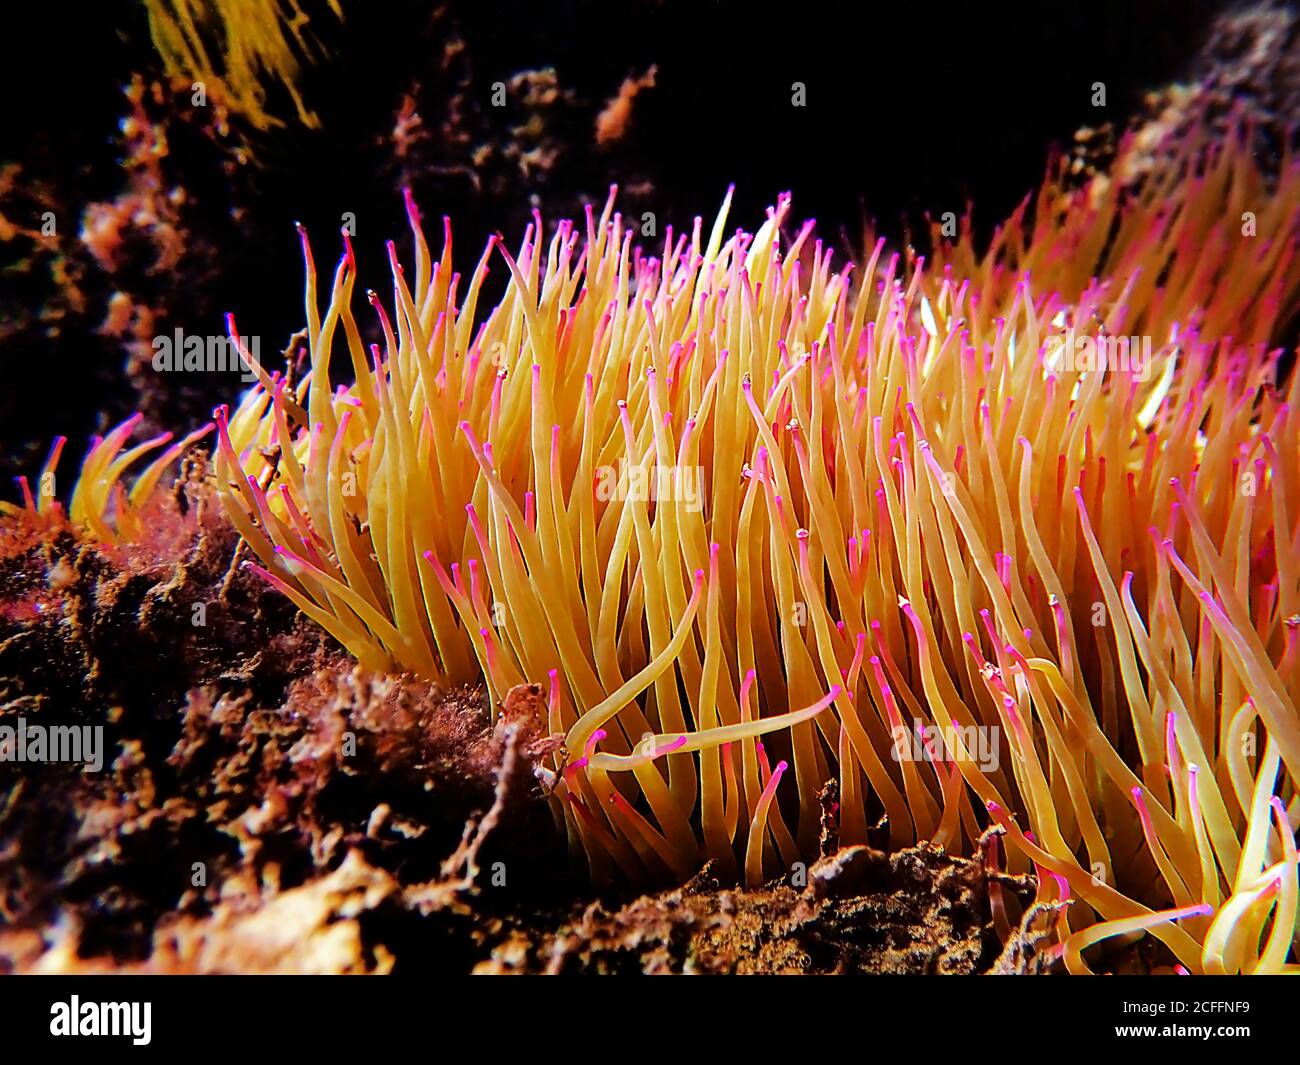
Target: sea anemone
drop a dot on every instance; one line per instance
(101, 506)
(762, 524)
(234, 47)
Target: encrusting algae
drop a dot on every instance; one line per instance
(849, 508)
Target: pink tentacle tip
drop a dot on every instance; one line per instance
(592, 740)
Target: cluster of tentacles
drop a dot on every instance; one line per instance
(765, 523)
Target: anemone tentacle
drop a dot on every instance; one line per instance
(766, 523)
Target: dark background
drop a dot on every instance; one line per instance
(910, 108)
